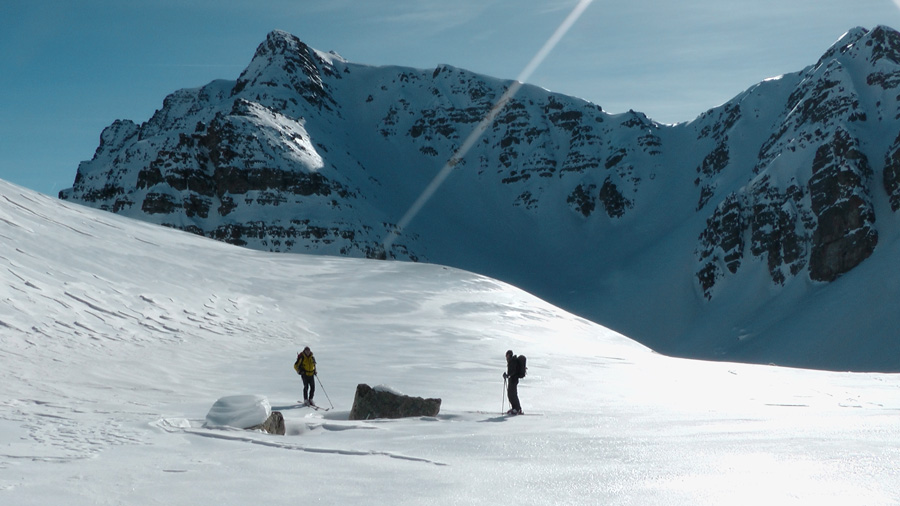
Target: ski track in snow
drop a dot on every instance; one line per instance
(298, 447)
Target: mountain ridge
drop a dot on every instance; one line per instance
(646, 228)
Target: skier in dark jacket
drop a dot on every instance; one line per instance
(512, 388)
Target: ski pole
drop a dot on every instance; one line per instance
(323, 391)
(503, 398)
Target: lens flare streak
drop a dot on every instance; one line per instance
(486, 122)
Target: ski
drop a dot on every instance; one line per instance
(503, 414)
(311, 405)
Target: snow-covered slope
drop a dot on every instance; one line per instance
(119, 336)
(718, 238)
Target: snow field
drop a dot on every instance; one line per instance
(118, 337)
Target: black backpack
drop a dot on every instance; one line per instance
(521, 368)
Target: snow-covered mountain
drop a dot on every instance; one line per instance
(117, 337)
(730, 237)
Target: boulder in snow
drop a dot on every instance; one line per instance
(273, 425)
(383, 402)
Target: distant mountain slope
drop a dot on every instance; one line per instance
(718, 238)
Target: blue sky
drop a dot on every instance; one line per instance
(70, 68)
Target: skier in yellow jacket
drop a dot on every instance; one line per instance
(306, 368)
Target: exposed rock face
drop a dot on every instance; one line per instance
(377, 402)
(306, 152)
(845, 234)
(810, 207)
(284, 159)
(233, 161)
(891, 179)
(273, 425)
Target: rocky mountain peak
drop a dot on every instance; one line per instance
(872, 46)
(850, 37)
(284, 64)
(777, 189)
(279, 42)
(811, 209)
(885, 43)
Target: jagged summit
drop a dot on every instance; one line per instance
(870, 46)
(851, 36)
(886, 44)
(280, 42)
(784, 190)
(284, 61)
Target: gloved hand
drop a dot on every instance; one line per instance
(505, 375)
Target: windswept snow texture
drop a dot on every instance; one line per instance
(118, 336)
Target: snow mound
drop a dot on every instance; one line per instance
(240, 411)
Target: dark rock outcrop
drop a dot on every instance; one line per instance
(273, 425)
(845, 234)
(378, 402)
(891, 178)
(811, 206)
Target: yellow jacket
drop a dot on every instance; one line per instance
(305, 365)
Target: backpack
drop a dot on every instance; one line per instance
(521, 368)
(297, 364)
